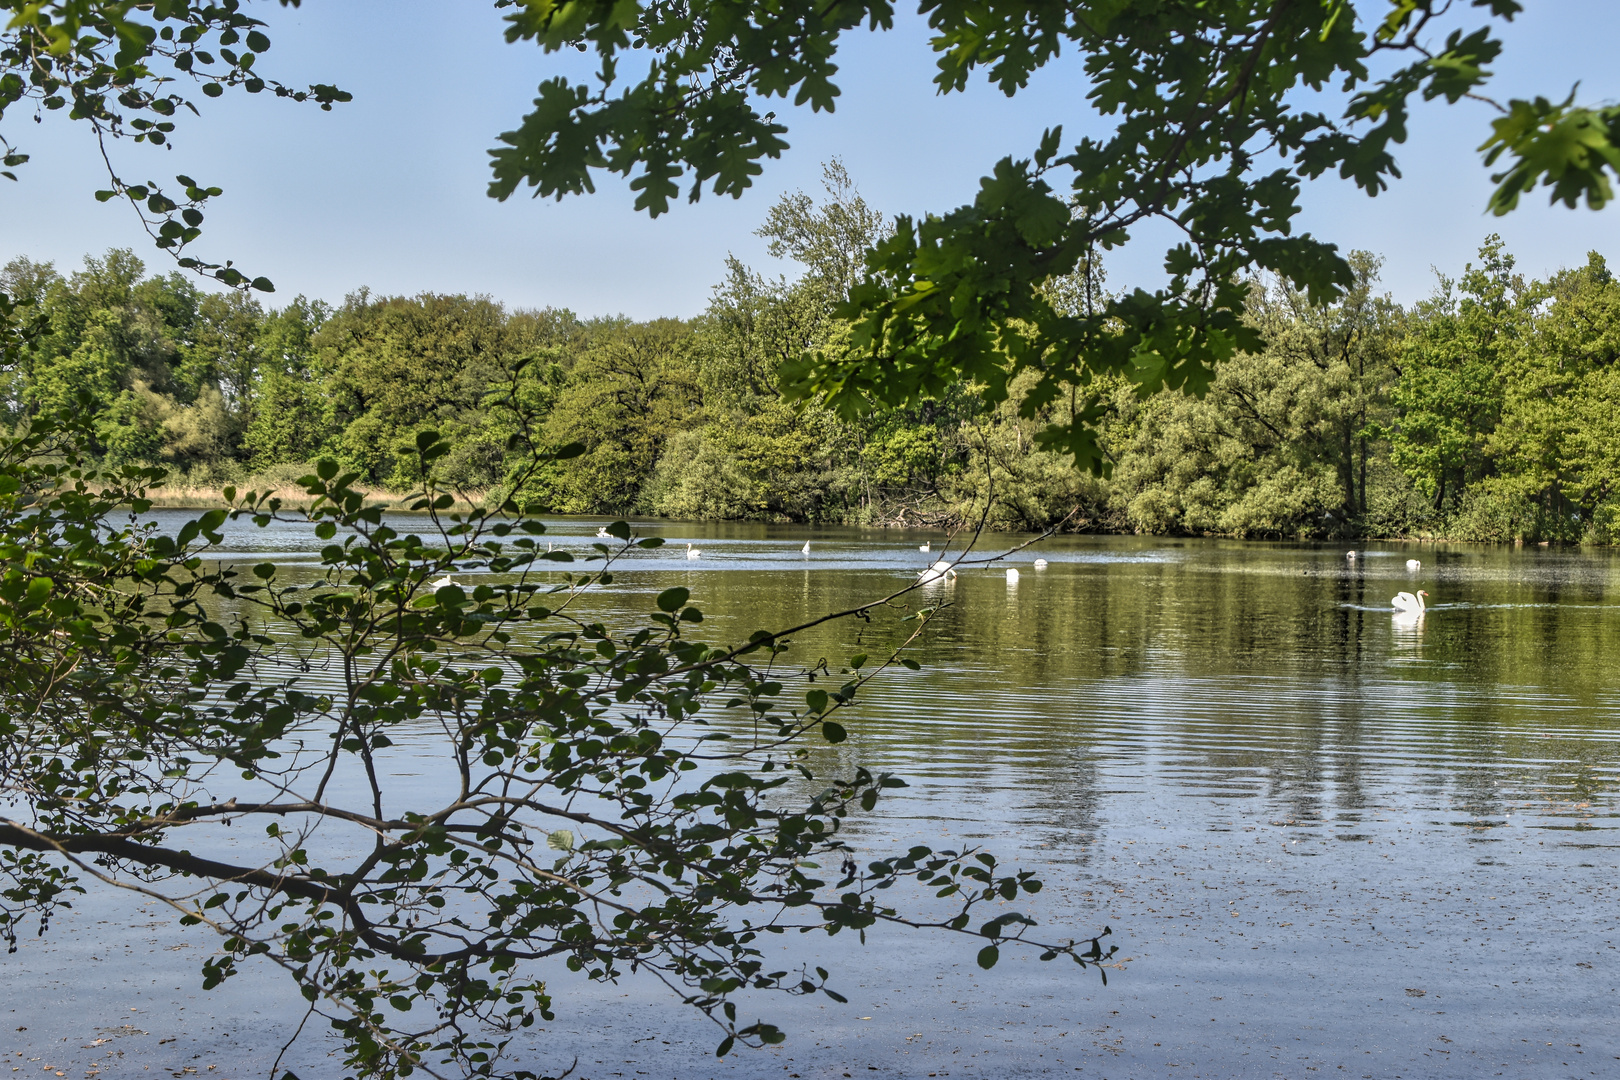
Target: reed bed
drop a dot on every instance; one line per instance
(184, 496)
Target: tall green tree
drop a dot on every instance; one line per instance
(628, 389)
(1282, 443)
(286, 402)
(398, 365)
(1553, 449)
(1450, 391)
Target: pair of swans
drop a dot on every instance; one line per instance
(943, 569)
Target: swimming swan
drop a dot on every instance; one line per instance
(1408, 604)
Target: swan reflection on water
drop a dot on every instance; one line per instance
(1408, 625)
(1409, 612)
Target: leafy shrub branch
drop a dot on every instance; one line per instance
(621, 799)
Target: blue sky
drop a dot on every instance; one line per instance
(388, 191)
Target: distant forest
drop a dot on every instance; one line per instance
(1490, 411)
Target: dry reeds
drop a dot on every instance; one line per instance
(186, 496)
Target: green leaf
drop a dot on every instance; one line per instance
(39, 589)
(672, 600)
(988, 957)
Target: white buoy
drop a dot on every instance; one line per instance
(1012, 575)
(1040, 564)
(1350, 555)
(806, 548)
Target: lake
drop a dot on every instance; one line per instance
(1327, 840)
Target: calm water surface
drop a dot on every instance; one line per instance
(1327, 840)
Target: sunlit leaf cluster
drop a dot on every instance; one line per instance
(126, 69)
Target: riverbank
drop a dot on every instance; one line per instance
(282, 483)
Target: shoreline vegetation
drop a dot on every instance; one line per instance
(1489, 412)
(295, 497)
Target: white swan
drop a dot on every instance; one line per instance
(1408, 604)
(1413, 564)
(806, 548)
(692, 552)
(1040, 564)
(602, 531)
(924, 546)
(1350, 555)
(938, 572)
(445, 582)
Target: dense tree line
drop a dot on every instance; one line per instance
(1487, 411)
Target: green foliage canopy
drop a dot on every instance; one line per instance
(1199, 94)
